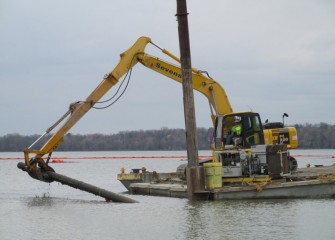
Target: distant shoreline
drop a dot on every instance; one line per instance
(310, 136)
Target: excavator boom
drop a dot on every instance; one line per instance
(215, 94)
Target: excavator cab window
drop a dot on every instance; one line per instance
(242, 130)
(233, 130)
(227, 130)
(253, 133)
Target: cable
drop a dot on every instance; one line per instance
(206, 74)
(128, 74)
(128, 80)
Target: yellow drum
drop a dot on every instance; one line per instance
(213, 175)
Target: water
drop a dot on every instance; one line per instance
(30, 209)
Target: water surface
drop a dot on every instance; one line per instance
(36, 210)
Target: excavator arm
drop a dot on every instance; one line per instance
(77, 110)
(219, 103)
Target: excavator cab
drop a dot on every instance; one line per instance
(237, 130)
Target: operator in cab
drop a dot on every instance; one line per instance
(235, 133)
(237, 129)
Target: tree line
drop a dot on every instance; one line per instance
(316, 136)
(310, 136)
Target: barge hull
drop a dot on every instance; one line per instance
(299, 189)
(303, 189)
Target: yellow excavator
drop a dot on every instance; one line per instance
(239, 140)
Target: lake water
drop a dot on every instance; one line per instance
(30, 209)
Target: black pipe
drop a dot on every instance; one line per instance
(108, 195)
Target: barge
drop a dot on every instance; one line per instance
(313, 182)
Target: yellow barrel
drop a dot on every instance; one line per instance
(213, 175)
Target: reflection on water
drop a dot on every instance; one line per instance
(234, 220)
(265, 219)
(36, 210)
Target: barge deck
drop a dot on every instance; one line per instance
(314, 182)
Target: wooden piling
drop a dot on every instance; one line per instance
(193, 181)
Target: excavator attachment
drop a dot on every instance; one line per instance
(50, 176)
(40, 170)
(37, 172)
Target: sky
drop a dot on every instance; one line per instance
(270, 56)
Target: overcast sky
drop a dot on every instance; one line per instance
(270, 56)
